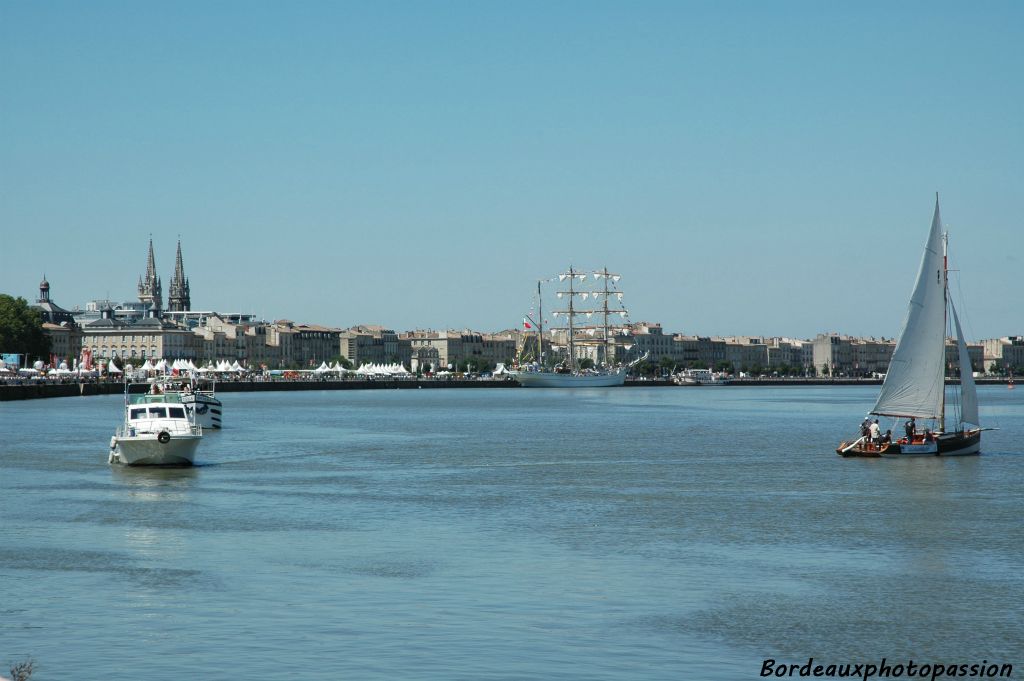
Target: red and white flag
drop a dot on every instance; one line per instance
(526, 323)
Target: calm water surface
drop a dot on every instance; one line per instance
(505, 534)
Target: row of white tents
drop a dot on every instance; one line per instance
(386, 370)
(394, 370)
(185, 365)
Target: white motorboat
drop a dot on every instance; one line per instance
(700, 377)
(157, 431)
(201, 403)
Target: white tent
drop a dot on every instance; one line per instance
(147, 366)
(322, 369)
(112, 368)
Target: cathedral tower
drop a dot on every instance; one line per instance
(178, 298)
(150, 289)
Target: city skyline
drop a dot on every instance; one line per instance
(747, 169)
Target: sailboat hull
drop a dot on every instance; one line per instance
(948, 444)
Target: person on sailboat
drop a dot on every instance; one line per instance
(876, 431)
(865, 428)
(911, 428)
(886, 439)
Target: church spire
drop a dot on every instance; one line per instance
(178, 297)
(150, 289)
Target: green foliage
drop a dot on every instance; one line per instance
(645, 368)
(586, 363)
(346, 363)
(21, 329)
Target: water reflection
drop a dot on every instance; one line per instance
(155, 483)
(155, 476)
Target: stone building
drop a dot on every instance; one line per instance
(370, 344)
(148, 338)
(457, 347)
(697, 352)
(746, 353)
(58, 325)
(1006, 352)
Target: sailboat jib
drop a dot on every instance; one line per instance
(968, 391)
(914, 382)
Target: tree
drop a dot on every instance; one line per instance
(21, 329)
(667, 365)
(345, 362)
(586, 363)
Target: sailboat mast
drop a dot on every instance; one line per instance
(945, 318)
(540, 328)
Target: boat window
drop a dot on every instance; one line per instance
(177, 413)
(158, 412)
(138, 413)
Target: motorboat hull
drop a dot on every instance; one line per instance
(549, 379)
(149, 449)
(205, 409)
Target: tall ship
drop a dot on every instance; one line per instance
(586, 351)
(915, 384)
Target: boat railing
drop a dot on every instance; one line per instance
(156, 426)
(158, 398)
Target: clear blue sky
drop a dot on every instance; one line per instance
(748, 167)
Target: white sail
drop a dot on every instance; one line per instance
(968, 392)
(914, 383)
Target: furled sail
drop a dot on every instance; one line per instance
(968, 392)
(914, 383)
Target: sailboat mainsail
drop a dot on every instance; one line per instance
(914, 382)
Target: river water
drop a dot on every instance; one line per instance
(634, 533)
